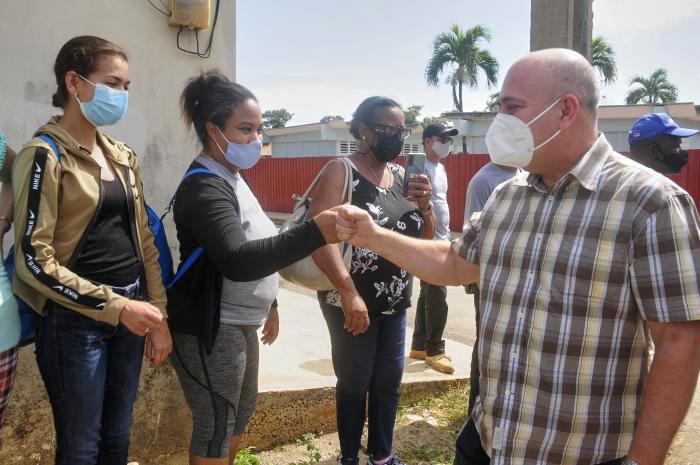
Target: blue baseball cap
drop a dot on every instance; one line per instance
(656, 124)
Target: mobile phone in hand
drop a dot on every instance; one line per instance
(415, 164)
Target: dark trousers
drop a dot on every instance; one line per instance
(431, 317)
(91, 372)
(470, 452)
(369, 369)
(474, 371)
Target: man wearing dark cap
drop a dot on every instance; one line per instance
(655, 142)
(431, 311)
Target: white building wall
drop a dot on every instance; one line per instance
(31, 35)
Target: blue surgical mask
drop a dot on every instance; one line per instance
(243, 156)
(107, 107)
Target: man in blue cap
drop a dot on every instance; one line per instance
(655, 142)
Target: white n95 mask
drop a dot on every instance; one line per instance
(510, 141)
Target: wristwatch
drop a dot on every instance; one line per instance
(626, 460)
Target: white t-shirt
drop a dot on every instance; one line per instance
(438, 179)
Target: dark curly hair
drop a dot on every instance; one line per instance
(81, 54)
(367, 111)
(211, 96)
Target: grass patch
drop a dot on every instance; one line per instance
(245, 456)
(448, 407)
(428, 455)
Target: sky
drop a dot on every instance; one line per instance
(323, 57)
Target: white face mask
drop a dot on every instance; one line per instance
(510, 141)
(442, 149)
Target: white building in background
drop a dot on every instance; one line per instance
(32, 33)
(613, 120)
(333, 139)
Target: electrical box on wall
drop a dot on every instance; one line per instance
(193, 14)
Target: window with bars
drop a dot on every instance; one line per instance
(411, 148)
(347, 147)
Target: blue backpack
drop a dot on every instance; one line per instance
(165, 258)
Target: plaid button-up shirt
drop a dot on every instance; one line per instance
(569, 275)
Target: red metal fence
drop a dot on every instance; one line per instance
(274, 180)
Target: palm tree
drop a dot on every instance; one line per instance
(654, 89)
(492, 103)
(603, 59)
(459, 51)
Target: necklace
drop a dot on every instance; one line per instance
(379, 179)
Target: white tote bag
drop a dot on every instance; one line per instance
(305, 272)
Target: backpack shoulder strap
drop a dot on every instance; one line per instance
(186, 266)
(196, 253)
(187, 175)
(52, 143)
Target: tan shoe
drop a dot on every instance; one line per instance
(417, 354)
(441, 363)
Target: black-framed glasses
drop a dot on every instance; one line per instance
(390, 131)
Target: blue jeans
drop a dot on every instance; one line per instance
(370, 363)
(91, 372)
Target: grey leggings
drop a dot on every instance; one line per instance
(220, 388)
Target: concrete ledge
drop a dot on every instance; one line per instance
(297, 394)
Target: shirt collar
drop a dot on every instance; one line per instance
(587, 170)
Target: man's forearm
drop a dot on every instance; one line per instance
(668, 392)
(431, 261)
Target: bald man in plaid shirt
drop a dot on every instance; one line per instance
(578, 262)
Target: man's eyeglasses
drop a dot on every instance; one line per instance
(391, 131)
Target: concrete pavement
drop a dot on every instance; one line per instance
(301, 357)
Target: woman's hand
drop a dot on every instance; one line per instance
(420, 191)
(326, 221)
(271, 329)
(140, 317)
(159, 344)
(355, 310)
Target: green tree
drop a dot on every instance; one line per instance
(329, 118)
(654, 89)
(275, 119)
(603, 59)
(459, 54)
(411, 114)
(492, 103)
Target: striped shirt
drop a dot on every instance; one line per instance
(569, 275)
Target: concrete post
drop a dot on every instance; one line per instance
(561, 23)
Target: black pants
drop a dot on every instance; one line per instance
(431, 317)
(470, 452)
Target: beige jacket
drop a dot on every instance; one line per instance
(55, 202)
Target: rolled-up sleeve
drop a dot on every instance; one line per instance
(665, 265)
(467, 246)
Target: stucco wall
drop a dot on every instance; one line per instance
(33, 31)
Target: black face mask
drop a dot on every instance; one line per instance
(675, 159)
(387, 148)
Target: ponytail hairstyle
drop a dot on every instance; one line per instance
(211, 96)
(81, 54)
